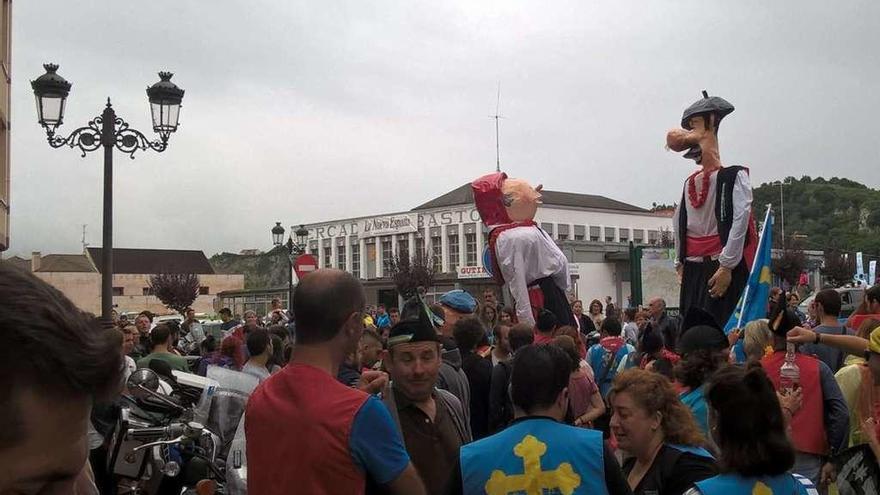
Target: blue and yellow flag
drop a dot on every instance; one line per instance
(753, 302)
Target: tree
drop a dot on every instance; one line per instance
(177, 291)
(410, 273)
(790, 265)
(839, 269)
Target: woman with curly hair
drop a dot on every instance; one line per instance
(748, 426)
(595, 313)
(652, 425)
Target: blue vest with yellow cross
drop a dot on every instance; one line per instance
(535, 456)
(733, 484)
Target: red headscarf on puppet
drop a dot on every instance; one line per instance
(508, 207)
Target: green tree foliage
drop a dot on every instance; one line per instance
(839, 269)
(177, 291)
(834, 213)
(791, 264)
(410, 273)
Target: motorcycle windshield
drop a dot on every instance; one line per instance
(223, 405)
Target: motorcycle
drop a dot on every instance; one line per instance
(157, 446)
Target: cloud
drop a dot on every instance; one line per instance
(302, 111)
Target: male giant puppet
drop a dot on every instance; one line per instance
(523, 257)
(715, 238)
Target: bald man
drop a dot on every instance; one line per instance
(304, 415)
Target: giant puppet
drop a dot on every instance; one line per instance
(522, 256)
(715, 236)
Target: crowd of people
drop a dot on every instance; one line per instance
(459, 397)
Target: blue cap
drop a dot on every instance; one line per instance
(459, 300)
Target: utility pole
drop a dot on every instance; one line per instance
(497, 135)
(782, 211)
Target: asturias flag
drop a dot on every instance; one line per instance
(753, 302)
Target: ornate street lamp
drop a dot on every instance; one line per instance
(277, 234)
(107, 131)
(51, 92)
(294, 249)
(302, 235)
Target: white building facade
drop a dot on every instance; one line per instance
(450, 229)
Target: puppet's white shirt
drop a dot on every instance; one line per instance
(527, 254)
(702, 221)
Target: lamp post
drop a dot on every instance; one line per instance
(107, 131)
(294, 248)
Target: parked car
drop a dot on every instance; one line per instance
(850, 299)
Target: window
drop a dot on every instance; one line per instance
(580, 232)
(340, 257)
(420, 246)
(117, 291)
(204, 291)
(470, 247)
(624, 235)
(327, 257)
(653, 237)
(356, 260)
(437, 251)
(314, 252)
(563, 233)
(403, 246)
(387, 253)
(638, 236)
(609, 234)
(594, 234)
(148, 291)
(453, 252)
(548, 228)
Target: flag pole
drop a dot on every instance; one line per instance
(745, 298)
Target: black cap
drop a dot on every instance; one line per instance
(699, 330)
(417, 324)
(707, 104)
(781, 317)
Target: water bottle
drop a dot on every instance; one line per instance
(789, 373)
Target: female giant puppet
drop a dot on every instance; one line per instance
(715, 238)
(523, 257)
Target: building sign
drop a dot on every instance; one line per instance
(465, 272)
(392, 224)
(403, 223)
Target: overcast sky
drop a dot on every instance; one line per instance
(310, 111)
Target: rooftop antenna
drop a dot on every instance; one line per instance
(497, 141)
(84, 243)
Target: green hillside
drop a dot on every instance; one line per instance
(822, 214)
(260, 271)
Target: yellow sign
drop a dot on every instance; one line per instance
(533, 481)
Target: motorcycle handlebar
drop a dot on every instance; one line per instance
(172, 430)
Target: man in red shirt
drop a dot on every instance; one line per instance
(332, 438)
(820, 428)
